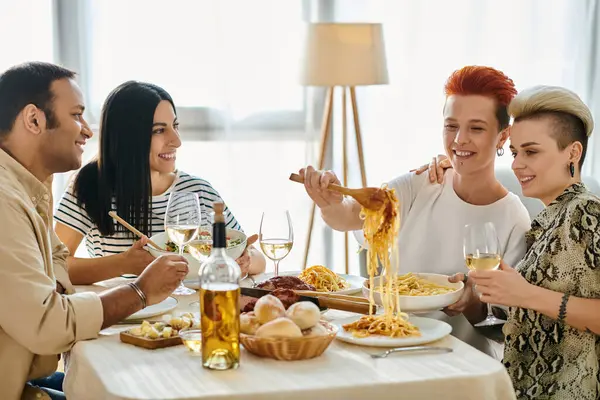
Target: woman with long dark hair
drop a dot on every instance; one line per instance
(133, 175)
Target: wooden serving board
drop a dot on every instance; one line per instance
(149, 343)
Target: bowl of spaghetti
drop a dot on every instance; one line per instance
(418, 292)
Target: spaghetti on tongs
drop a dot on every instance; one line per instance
(380, 229)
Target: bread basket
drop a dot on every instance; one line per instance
(290, 349)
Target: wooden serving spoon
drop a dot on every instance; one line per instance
(251, 240)
(371, 198)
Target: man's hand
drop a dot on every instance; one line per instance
(162, 277)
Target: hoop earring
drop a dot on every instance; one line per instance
(572, 170)
(500, 151)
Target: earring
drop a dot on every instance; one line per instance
(572, 170)
(500, 151)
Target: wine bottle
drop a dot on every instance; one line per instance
(219, 302)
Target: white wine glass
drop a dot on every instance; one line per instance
(276, 236)
(482, 253)
(182, 221)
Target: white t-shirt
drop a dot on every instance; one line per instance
(431, 234)
(72, 214)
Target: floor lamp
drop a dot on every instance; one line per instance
(344, 55)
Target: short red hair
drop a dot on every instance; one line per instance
(484, 81)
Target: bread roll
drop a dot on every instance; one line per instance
(268, 308)
(304, 314)
(279, 328)
(249, 323)
(317, 330)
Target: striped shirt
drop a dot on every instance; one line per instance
(73, 215)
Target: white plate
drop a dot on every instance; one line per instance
(411, 304)
(431, 330)
(356, 282)
(163, 307)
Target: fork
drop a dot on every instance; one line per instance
(412, 349)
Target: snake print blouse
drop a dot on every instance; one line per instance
(547, 359)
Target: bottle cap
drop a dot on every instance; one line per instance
(218, 208)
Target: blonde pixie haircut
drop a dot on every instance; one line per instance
(571, 118)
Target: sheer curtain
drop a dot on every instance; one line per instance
(531, 41)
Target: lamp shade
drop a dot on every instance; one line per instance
(342, 54)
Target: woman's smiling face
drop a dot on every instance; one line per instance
(165, 139)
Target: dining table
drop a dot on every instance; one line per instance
(108, 369)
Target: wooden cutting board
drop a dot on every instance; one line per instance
(151, 344)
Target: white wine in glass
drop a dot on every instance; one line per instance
(276, 236)
(482, 261)
(276, 249)
(181, 233)
(182, 221)
(482, 253)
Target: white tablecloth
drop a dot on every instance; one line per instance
(108, 369)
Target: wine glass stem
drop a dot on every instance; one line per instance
(276, 267)
(490, 313)
(181, 287)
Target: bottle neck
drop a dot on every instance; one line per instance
(219, 236)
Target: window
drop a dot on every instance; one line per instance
(239, 58)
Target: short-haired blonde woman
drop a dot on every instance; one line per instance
(552, 345)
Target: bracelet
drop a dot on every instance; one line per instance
(562, 311)
(139, 292)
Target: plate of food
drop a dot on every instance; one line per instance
(236, 244)
(168, 304)
(372, 330)
(317, 278)
(420, 292)
(156, 335)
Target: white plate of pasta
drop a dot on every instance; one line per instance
(420, 292)
(417, 331)
(323, 279)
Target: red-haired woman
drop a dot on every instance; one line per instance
(475, 119)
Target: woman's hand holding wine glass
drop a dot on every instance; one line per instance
(482, 253)
(505, 286)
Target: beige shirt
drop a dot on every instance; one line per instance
(36, 322)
